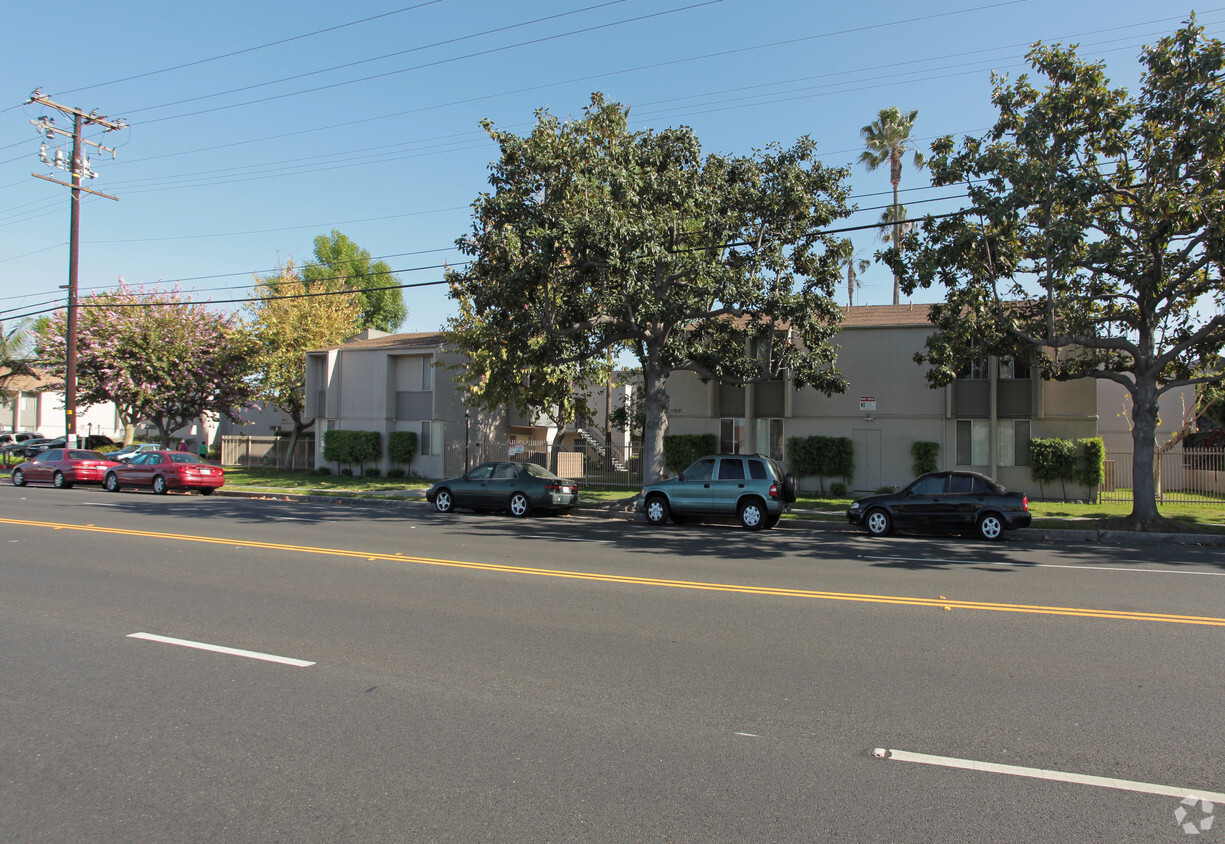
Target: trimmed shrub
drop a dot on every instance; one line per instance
(1091, 471)
(401, 446)
(340, 446)
(373, 472)
(823, 457)
(395, 472)
(837, 489)
(322, 470)
(680, 450)
(924, 455)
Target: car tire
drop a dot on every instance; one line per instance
(19, 478)
(519, 505)
(753, 514)
(790, 488)
(657, 511)
(990, 527)
(60, 481)
(443, 502)
(111, 483)
(159, 485)
(208, 490)
(877, 522)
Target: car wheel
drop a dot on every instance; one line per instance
(60, 481)
(990, 527)
(519, 505)
(878, 522)
(790, 489)
(208, 490)
(159, 485)
(657, 511)
(443, 502)
(19, 478)
(753, 514)
(111, 483)
(772, 520)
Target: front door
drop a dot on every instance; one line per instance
(692, 495)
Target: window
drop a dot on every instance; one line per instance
(769, 438)
(973, 442)
(731, 470)
(481, 472)
(757, 470)
(505, 472)
(700, 471)
(731, 434)
(427, 373)
(933, 485)
(430, 442)
(1012, 442)
(1012, 369)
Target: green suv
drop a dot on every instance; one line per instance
(751, 487)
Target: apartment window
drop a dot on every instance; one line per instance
(973, 442)
(427, 373)
(1012, 369)
(1012, 442)
(430, 442)
(769, 437)
(731, 434)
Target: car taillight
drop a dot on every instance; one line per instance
(1025, 503)
(774, 490)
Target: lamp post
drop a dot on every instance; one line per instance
(467, 423)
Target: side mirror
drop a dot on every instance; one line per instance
(681, 477)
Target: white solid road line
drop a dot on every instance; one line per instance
(284, 660)
(1039, 773)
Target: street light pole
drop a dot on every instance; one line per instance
(467, 420)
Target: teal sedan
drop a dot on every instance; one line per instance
(517, 487)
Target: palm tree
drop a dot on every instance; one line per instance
(888, 139)
(894, 225)
(14, 356)
(854, 266)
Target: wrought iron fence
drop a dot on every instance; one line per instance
(1184, 476)
(580, 461)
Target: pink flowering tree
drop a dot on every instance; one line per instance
(159, 356)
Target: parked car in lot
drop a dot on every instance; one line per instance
(751, 487)
(126, 453)
(15, 437)
(162, 471)
(63, 467)
(944, 501)
(28, 448)
(517, 487)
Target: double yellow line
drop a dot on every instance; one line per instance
(937, 603)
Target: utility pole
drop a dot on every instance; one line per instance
(79, 166)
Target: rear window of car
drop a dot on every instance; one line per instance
(757, 470)
(49, 455)
(731, 469)
(960, 484)
(184, 457)
(85, 455)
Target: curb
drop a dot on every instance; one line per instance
(619, 510)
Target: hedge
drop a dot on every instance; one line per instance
(680, 450)
(832, 457)
(924, 455)
(401, 446)
(340, 446)
(1055, 459)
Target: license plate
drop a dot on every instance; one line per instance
(206, 471)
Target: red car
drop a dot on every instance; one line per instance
(163, 471)
(63, 467)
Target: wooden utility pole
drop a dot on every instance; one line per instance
(79, 167)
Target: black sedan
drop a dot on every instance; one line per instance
(517, 487)
(944, 501)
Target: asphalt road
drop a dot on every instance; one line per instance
(468, 678)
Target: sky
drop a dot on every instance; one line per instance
(252, 128)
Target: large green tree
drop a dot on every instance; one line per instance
(156, 354)
(288, 319)
(1096, 241)
(595, 240)
(339, 259)
(887, 140)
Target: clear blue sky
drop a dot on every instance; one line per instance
(255, 127)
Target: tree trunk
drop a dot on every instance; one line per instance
(897, 243)
(298, 428)
(1144, 514)
(655, 382)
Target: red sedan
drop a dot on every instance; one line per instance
(63, 467)
(163, 471)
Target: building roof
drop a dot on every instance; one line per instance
(42, 382)
(380, 340)
(886, 316)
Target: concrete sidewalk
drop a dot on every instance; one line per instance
(624, 509)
